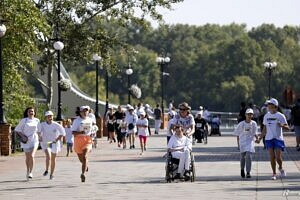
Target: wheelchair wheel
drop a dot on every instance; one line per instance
(205, 137)
(193, 171)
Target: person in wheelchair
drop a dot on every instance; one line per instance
(180, 147)
(201, 127)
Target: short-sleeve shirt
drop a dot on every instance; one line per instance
(29, 128)
(69, 135)
(186, 122)
(273, 129)
(50, 132)
(143, 130)
(246, 132)
(85, 125)
(119, 116)
(200, 123)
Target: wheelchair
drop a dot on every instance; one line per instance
(199, 135)
(172, 167)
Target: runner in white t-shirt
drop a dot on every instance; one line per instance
(246, 131)
(82, 129)
(28, 126)
(274, 122)
(51, 133)
(143, 132)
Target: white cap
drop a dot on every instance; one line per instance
(201, 107)
(273, 101)
(130, 107)
(49, 112)
(249, 111)
(84, 107)
(147, 106)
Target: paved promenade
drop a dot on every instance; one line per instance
(115, 173)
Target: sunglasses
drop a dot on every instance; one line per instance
(182, 109)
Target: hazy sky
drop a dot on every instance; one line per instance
(251, 12)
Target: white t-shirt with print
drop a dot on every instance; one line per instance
(246, 132)
(143, 130)
(271, 121)
(50, 132)
(186, 122)
(29, 128)
(85, 125)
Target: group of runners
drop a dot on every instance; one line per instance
(135, 121)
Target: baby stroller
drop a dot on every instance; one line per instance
(215, 126)
(172, 167)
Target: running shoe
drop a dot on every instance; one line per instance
(51, 177)
(82, 176)
(242, 173)
(248, 175)
(282, 173)
(30, 175)
(274, 177)
(45, 173)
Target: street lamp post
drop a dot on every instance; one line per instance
(106, 88)
(129, 71)
(162, 62)
(58, 46)
(269, 66)
(2, 33)
(97, 58)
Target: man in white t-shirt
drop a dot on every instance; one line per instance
(246, 131)
(50, 133)
(274, 122)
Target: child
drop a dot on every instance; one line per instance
(142, 125)
(246, 131)
(69, 136)
(123, 128)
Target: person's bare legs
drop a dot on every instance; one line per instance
(48, 157)
(298, 140)
(142, 145)
(53, 162)
(272, 160)
(279, 158)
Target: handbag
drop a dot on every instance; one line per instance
(21, 136)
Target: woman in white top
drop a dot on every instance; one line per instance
(246, 131)
(274, 122)
(180, 147)
(50, 133)
(28, 126)
(142, 125)
(82, 129)
(185, 119)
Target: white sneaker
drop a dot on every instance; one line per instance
(282, 173)
(274, 177)
(51, 177)
(30, 175)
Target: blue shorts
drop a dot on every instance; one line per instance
(275, 144)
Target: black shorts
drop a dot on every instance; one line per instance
(111, 128)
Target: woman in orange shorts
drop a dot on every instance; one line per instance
(82, 130)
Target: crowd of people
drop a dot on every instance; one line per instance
(183, 129)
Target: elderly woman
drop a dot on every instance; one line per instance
(180, 147)
(28, 127)
(83, 132)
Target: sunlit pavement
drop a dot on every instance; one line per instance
(115, 173)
